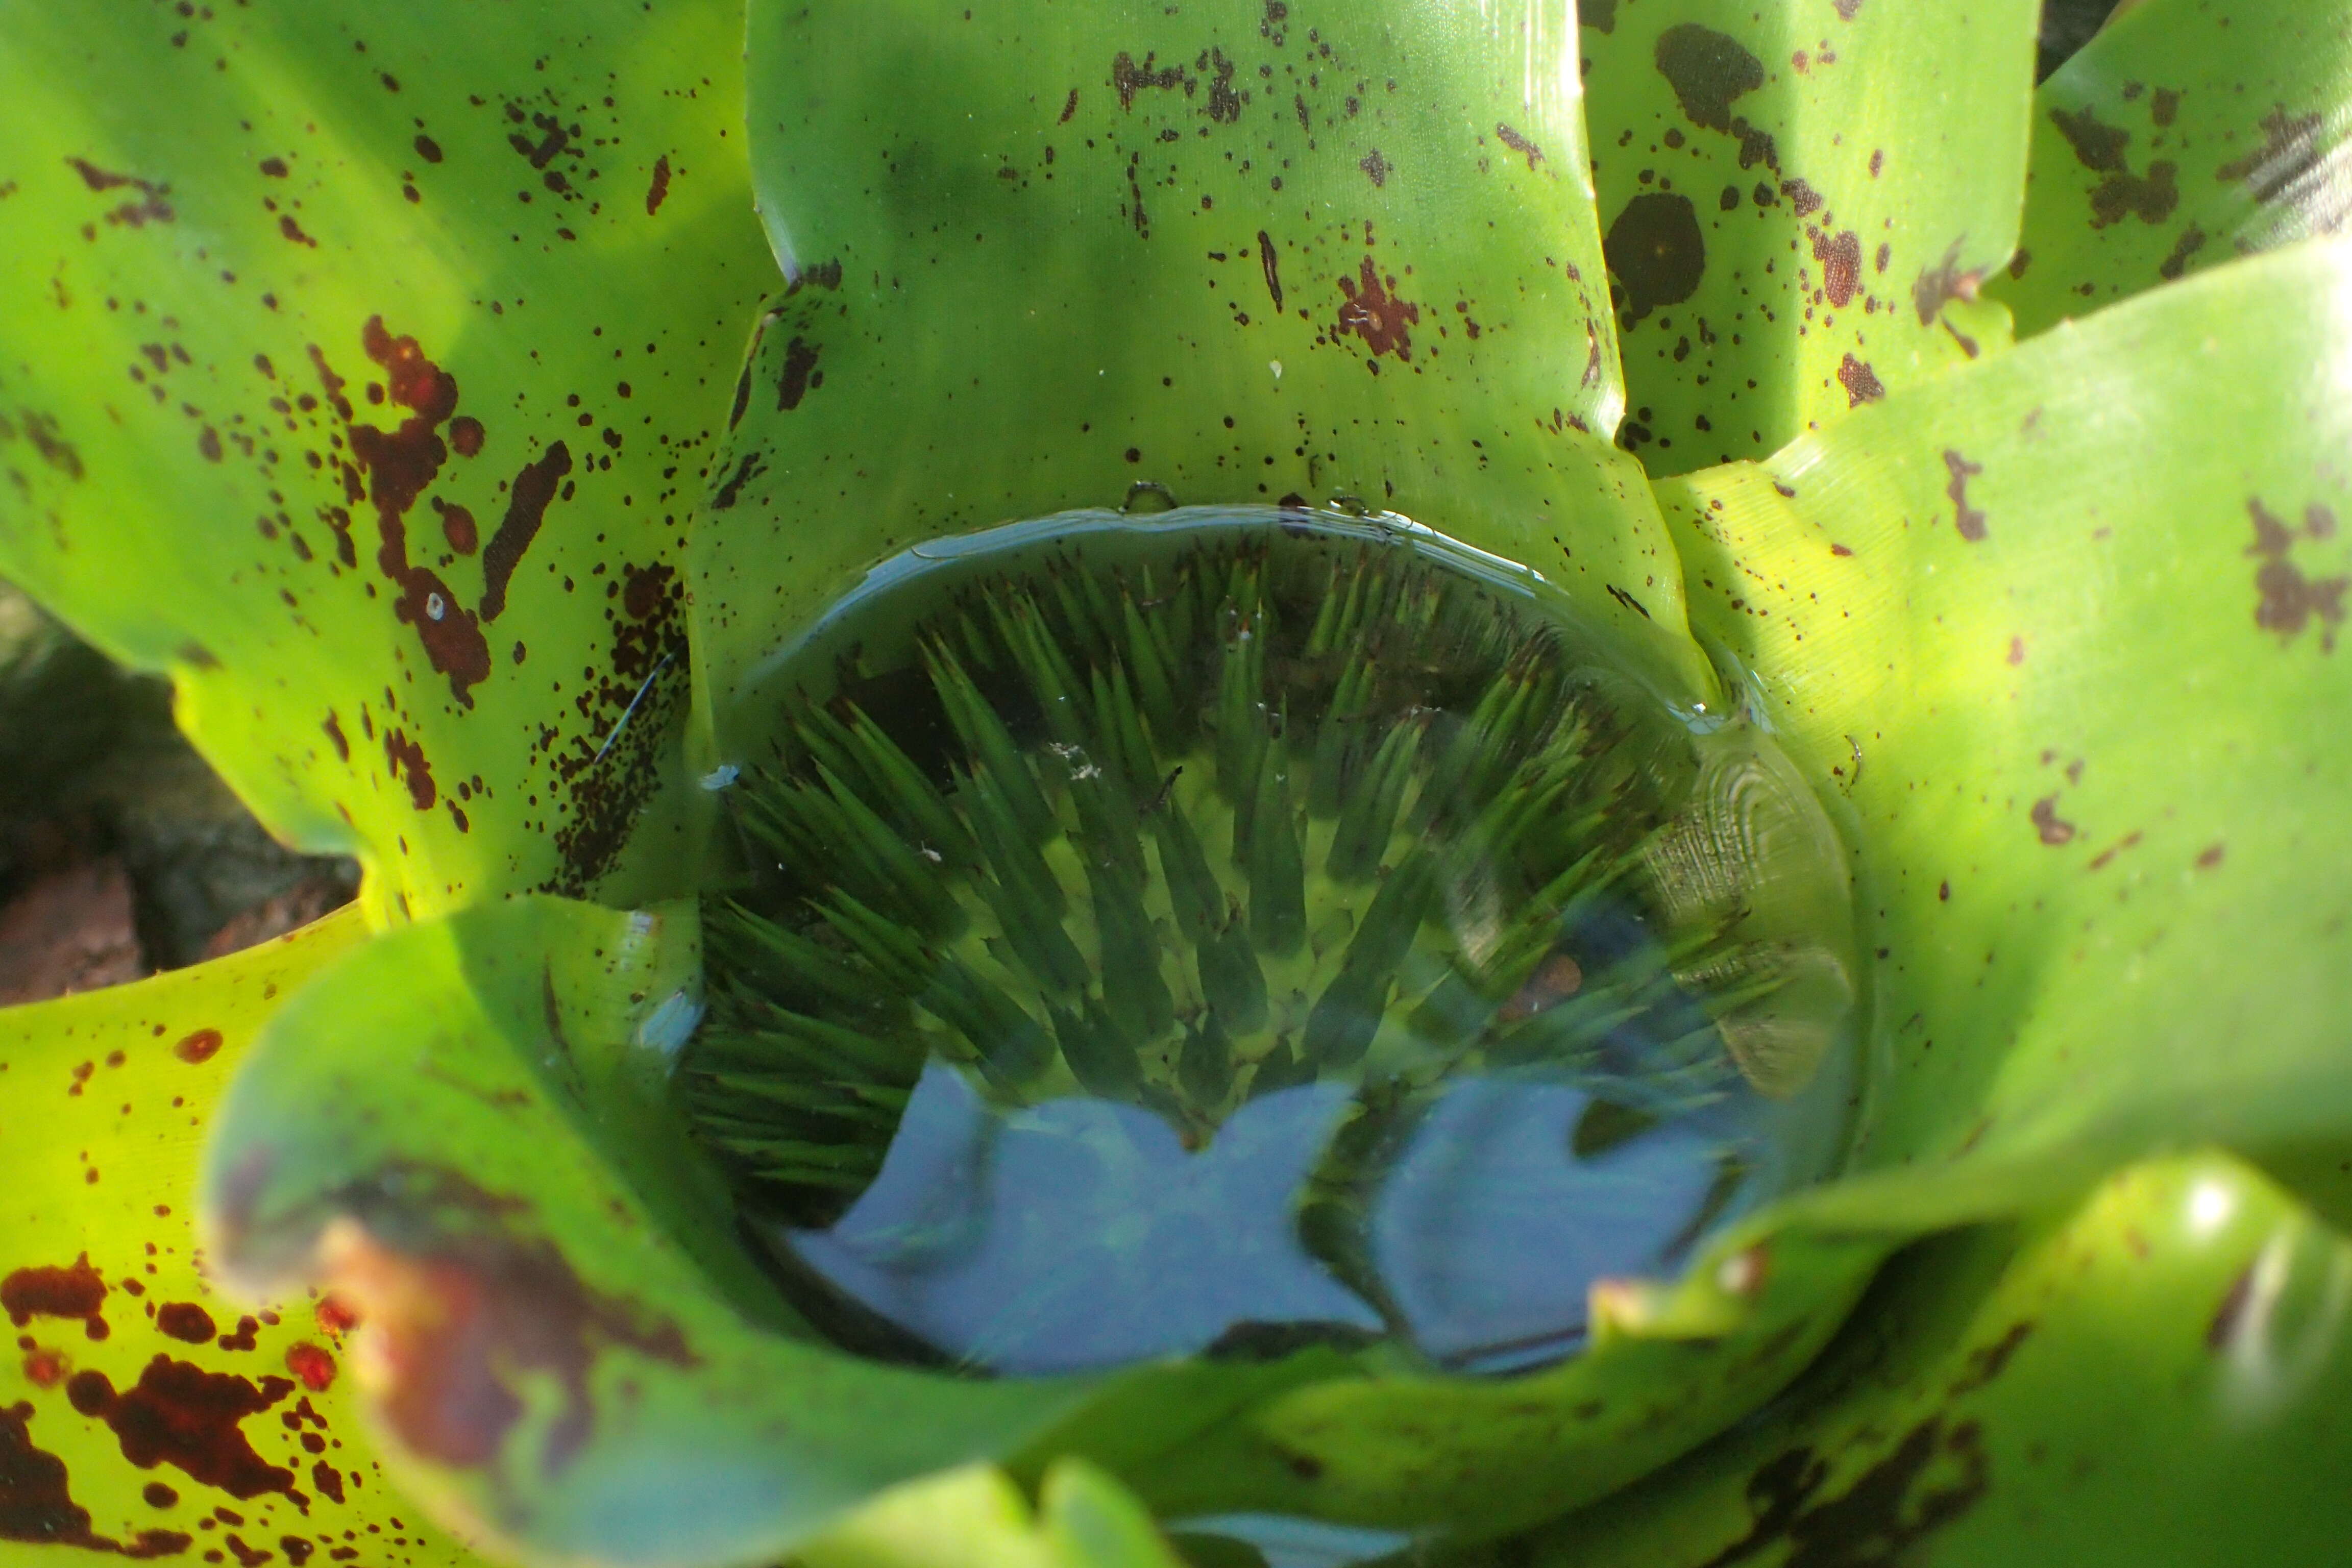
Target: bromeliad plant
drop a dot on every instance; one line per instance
(379, 379)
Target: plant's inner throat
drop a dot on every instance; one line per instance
(1284, 935)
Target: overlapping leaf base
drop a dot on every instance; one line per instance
(1312, 854)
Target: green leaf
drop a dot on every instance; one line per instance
(975, 1518)
(456, 1128)
(1074, 258)
(2152, 1375)
(269, 278)
(2056, 628)
(103, 1098)
(2184, 136)
(461, 1127)
(1798, 199)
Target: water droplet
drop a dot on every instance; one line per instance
(435, 606)
(1248, 929)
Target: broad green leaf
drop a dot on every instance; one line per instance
(2056, 628)
(103, 1098)
(976, 1518)
(360, 371)
(1062, 257)
(2157, 1375)
(1798, 200)
(456, 1128)
(2187, 134)
(566, 1348)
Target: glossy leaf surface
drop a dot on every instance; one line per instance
(139, 1407)
(457, 1130)
(566, 1346)
(2056, 627)
(978, 1519)
(2187, 134)
(1071, 256)
(359, 371)
(2158, 1375)
(1797, 200)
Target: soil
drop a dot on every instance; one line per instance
(120, 852)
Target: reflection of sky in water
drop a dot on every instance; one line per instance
(1080, 1234)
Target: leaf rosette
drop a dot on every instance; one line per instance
(386, 384)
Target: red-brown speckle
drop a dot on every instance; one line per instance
(313, 1366)
(76, 1290)
(1965, 518)
(199, 1046)
(658, 190)
(534, 488)
(406, 760)
(37, 1504)
(1373, 312)
(181, 1415)
(184, 1321)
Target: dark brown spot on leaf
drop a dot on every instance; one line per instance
(185, 1321)
(75, 1291)
(1127, 78)
(37, 1506)
(1519, 145)
(457, 526)
(2288, 601)
(1840, 256)
(182, 1415)
(2152, 197)
(1371, 311)
(2191, 241)
(2099, 148)
(658, 191)
(1988, 1361)
(1861, 383)
(1657, 252)
(749, 468)
(198, 1048)
(469, 1316)
(528, 498)
(2052, 829)
(1268, 263)
(1965, 518)
(1877, 1519)
(406, 760)
(1708, 70)
(792, 383)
